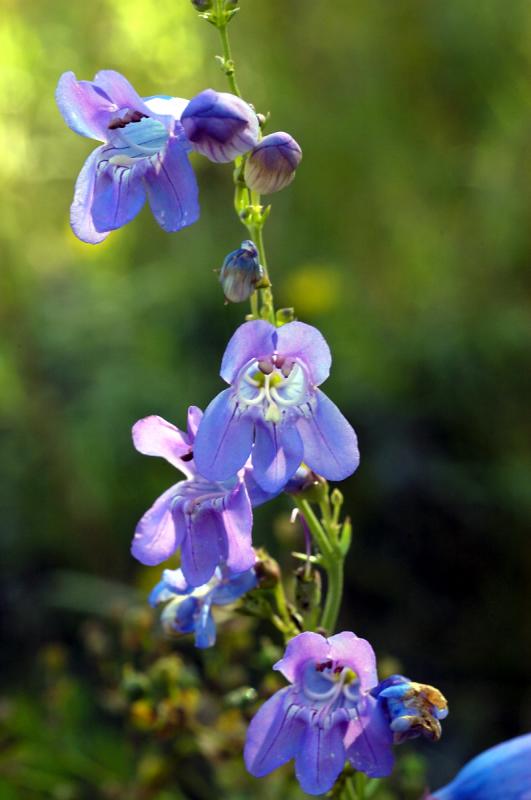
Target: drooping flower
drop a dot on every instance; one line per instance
(189, 609)
(413, 709)
(144, 152)
(219, 125)
(273, 406)
(271, 165)
(326, 716)
(240, 273)
(501, 773)
(210, 521)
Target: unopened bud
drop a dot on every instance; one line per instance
(220, 125)
(202, 5)
(272, 163)
(240, 273)
(267, 571)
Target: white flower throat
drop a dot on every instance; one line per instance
(273, 385)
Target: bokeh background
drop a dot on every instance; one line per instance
(405, 238)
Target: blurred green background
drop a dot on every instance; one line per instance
(404, 238)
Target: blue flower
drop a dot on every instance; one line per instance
(219, 125)
(144, 152)
(211, 521)
(272, 163)
(189, 608)
(274, 411)
(326, 716)
(240, 273)
(501, 773)
(413, 709)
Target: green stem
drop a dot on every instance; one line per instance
(227, 55)
(349, 792)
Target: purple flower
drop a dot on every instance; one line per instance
(189, 609)
(240, 273)
(210, 521)
(274, 407)
(144, 152)
(325, 717)
(501, 773)
(272, 163)
(413, 709)
(221, 126)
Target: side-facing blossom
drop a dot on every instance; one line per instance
(219, 125)
(501, 773)
(271, 165)
(413, 709)
(189, 609)
(274, 408)
(144, 152)
(210, 521)
(326, 716)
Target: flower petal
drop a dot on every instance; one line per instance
(356, 653)
(120, 90)
(369, 740)
(221, 126)
(253, 339)
(257, 495)
(204, 547)
(154, 436)
(237, 585)
(160, 531)
(172, 188)
(320, 757)
(276, 455)
(119, 195)
(305, 647)
(238, 521)
(303, 341)
(86, 108)
(274, 735)
(224, 439)
(330, 443)
(166, 106)
(81, 208)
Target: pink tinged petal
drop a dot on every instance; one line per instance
(369, 740)
(119, 195)
(252, 340)
(238, 521)
(305, 647)
(120, 91)
(86, 109)
(276, 456)
(224, 439)
(204, 547)
(194, 418)
(330, 443)
(356, 653)
(298, 340)
(81, 208)
(172, 188)
(274, 735)
(160, 531)
(321, 757)
(154, 436)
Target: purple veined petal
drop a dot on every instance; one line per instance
(230, 590)
(220, 125)
(172, 188)
(257, 495)
(154, 436)
(195, 416)
(305, 647)
(369, 740)
(85, 108)
(356, 653)
(303, 341)
(204, 546)
(120, 91)
(237, 518)
(330, 443)
(320, 757)
(119, 195)
(276, 455)
(224, 439)
(81, 208)
(253, 339)
(274, 735)
(160, 531)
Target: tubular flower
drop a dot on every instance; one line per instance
(501, 773)
(189, 609)
(326, 716)
(210, 521)
(413, 709)
(274, 408)
(144, 152)
(220, 126)
(272, 163)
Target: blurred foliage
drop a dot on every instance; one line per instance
(405, 238)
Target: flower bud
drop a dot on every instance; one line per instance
(240, 273)
(219, 125)
(413, 709)
(202, 5)
(271, 165)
